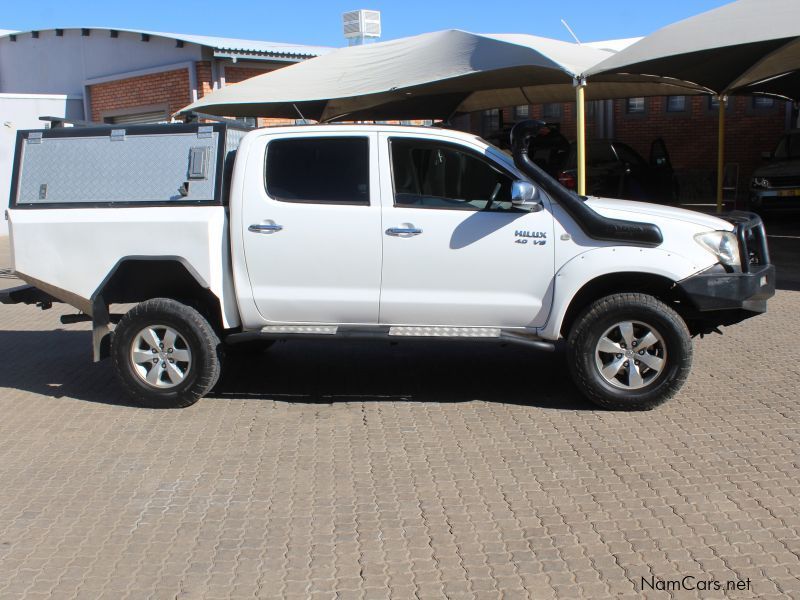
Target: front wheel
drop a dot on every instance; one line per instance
(629, 352)
(165, 354)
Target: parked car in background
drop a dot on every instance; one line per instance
(777, 184)
(615, 170)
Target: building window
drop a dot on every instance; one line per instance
(764, 102)
(522, 111)
(491, 121)
(676, 103)
(634, 106)
(551, 110)
(713, 103)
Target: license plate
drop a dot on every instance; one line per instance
(789, 192)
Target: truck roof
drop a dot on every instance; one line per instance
(386, 128)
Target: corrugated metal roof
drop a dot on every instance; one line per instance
(249, 46)
(220, 44)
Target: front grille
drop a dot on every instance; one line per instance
(784, 181)
(753, 249)
(752, 239)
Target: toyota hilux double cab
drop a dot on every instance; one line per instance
(225, 241)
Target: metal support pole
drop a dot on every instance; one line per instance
(580, 115)
(720, 152)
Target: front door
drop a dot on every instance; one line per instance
(455, 251)
(311, 222)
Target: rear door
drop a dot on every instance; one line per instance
(456, 252)
(311, 226)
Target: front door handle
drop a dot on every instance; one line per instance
(265, 228)
(407, 230)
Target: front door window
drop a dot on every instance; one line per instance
(444, 176)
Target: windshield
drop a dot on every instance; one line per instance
(788, 147)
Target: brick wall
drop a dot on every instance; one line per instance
(238, 74)
(205, 82)
(170, 88)
(690, 136)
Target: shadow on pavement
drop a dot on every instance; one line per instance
(58, 364)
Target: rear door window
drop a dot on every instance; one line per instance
(319, 170)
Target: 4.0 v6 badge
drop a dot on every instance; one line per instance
(537, 238)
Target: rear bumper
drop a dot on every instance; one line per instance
(26, 294)
(712, 291)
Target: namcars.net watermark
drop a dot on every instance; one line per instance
(691, 583)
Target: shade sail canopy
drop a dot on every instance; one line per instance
(428, 76)
(726, 50)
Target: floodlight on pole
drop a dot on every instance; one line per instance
(361, 25)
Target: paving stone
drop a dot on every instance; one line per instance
(369, 470)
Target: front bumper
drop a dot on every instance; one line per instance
(712, 290)
(718, 290)
(761, 197)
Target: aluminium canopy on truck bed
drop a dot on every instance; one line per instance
(138, 165)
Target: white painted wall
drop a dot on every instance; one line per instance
(22, 111)
(60, 65)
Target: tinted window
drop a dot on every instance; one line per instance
(320, 170)
(435, 175)
(629, 155)
(600, 154)
(788, 147)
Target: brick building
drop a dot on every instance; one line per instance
(133, 76)
(118, 76)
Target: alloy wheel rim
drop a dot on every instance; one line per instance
(160, 356)
(630, 355)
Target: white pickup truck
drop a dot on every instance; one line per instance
(226, 241)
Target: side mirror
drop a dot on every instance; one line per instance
(523, 194)
(766, 156)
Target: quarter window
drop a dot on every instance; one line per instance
(324, 170)
(434, 175)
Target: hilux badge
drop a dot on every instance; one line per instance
(537, 238)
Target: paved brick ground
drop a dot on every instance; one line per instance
(373, 471)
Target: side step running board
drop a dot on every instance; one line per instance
(392, 332)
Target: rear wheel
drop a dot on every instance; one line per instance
(629, 352)
(165, 354)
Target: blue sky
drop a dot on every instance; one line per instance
(319, 21)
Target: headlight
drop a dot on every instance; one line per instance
(760, 182)
(723, 245)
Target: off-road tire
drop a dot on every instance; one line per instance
(202, 341)
(590, 326)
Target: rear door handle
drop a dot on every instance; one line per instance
(265, 228)
(407, 231)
